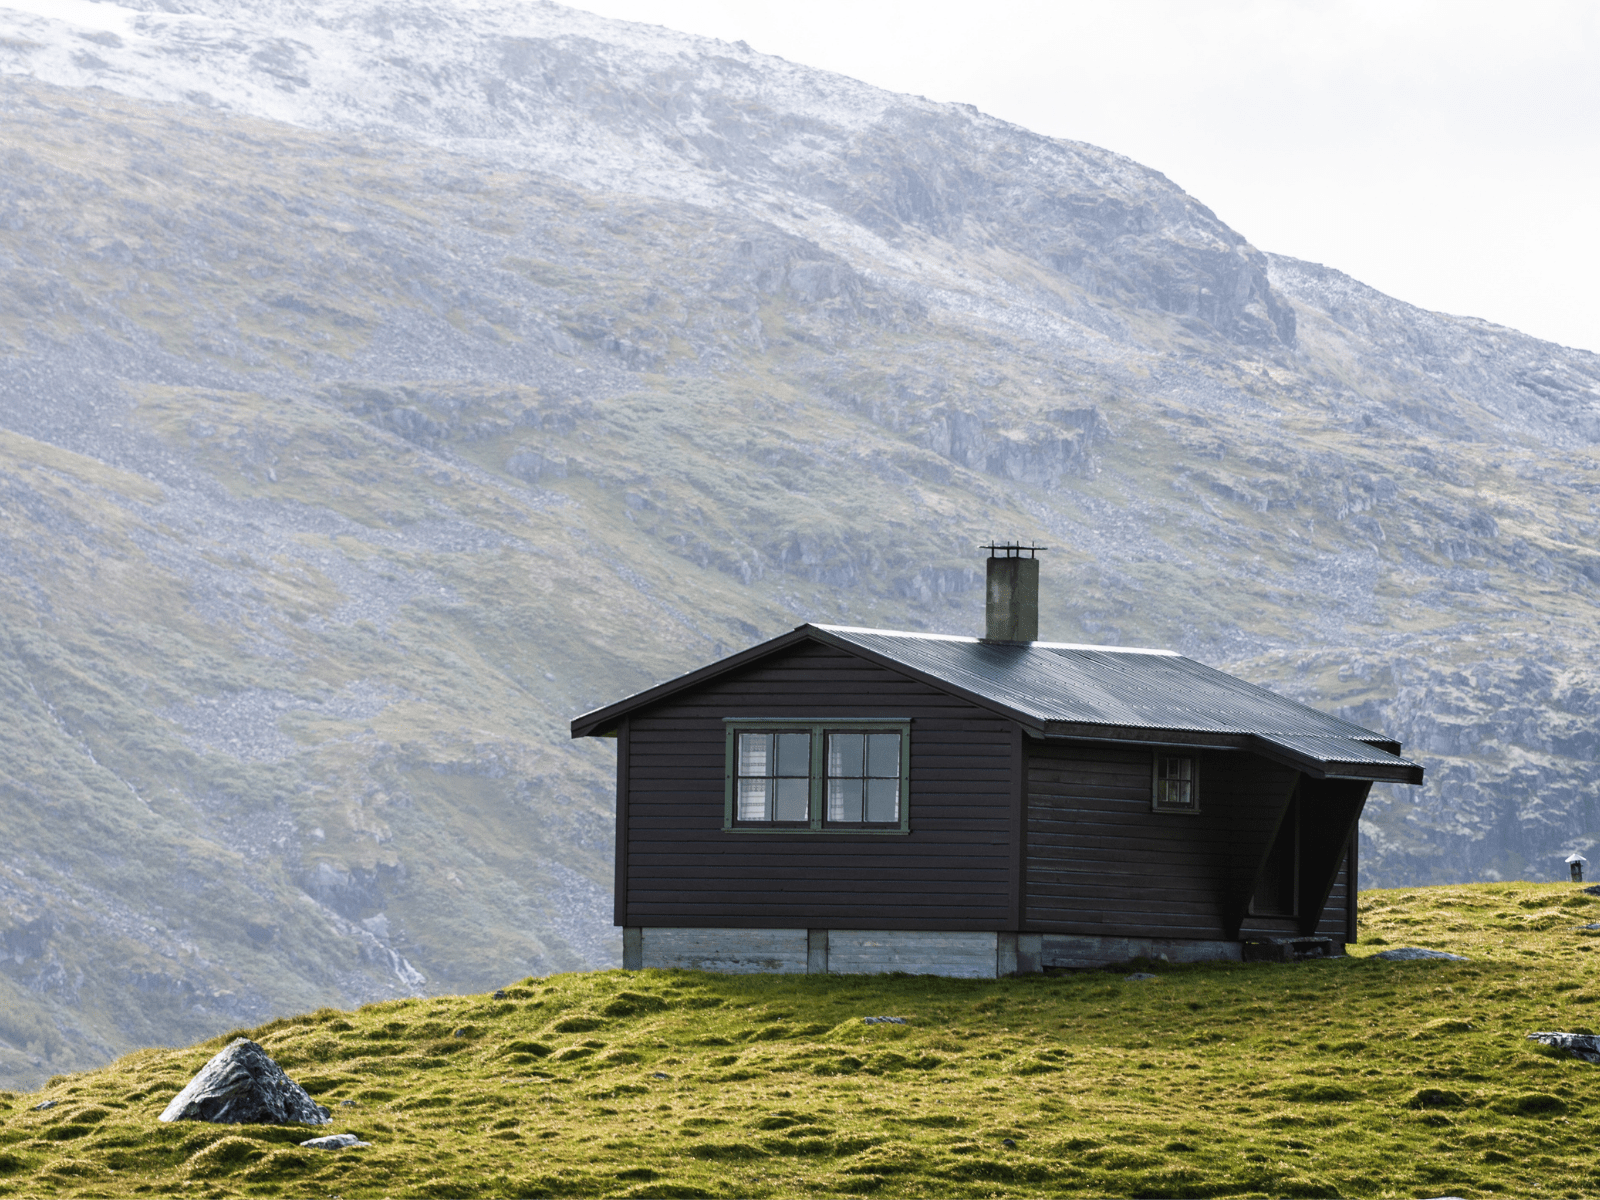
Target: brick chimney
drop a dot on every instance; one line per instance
(1012, 607)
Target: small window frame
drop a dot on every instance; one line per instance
(819, 728)
(1156, 760)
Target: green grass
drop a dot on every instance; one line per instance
(1353, 1078)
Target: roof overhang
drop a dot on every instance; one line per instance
(1378, 764)
(603, 722)
(1376, 760)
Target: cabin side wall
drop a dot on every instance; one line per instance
(955, 870)
(1100, 863)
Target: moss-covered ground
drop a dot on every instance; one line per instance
(1349, 1077)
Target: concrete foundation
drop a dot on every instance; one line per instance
(824, 951)
(916, 952)
(1070, 950)
(730, 951)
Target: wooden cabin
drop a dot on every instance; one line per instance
(864, 800)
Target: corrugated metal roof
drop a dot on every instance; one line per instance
(1096, 693)
(1335, 750)
(1055, 682)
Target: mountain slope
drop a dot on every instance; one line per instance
(429, 379)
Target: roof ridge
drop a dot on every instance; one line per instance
(955, 637)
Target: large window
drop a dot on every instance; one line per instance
(818, 777)
(1175, 788)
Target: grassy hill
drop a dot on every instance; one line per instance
(1348, 1077)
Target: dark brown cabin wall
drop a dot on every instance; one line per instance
(953, 871)
(1099, 861)
(1335, 913)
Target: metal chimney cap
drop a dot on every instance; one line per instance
(1011, 549)
(1576, 857)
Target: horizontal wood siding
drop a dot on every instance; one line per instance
(1334, 922)
(952, 871)
(1100, 862)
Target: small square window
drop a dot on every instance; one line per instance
(863, 778)
(774, 783)
(1175, 787)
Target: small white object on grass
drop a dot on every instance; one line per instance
(1417, 953)
(335, 1141)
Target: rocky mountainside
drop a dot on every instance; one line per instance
(381, 385)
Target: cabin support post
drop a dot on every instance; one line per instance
(632, 948)
(1030, 953)
(1005, 955)
(816, 952)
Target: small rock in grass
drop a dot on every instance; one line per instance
(1580, 1045)
(1142, 977)
(45, 1105)
(241, 1085)
(883, 1020)
(1417, 953)
(499, 995)
(335, 1141)
(347, 1104)
(459, 1033)
(1009, 1142)
(660, 1075)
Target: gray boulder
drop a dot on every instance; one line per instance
(1580, 1045)
(1415, 953)
(243, 1086)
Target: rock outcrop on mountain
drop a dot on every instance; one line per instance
(382, 384)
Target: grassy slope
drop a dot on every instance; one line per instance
(1329, 1078)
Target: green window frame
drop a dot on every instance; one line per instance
(770, 780)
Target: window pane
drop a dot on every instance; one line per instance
(1175, 784)
(883, 800)
(754, 752)
(844, 797)
(844, 755)
(883, 755)
(793, 802)
(753, 800)
(794, 754)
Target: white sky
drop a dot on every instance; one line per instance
(1444, 151)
